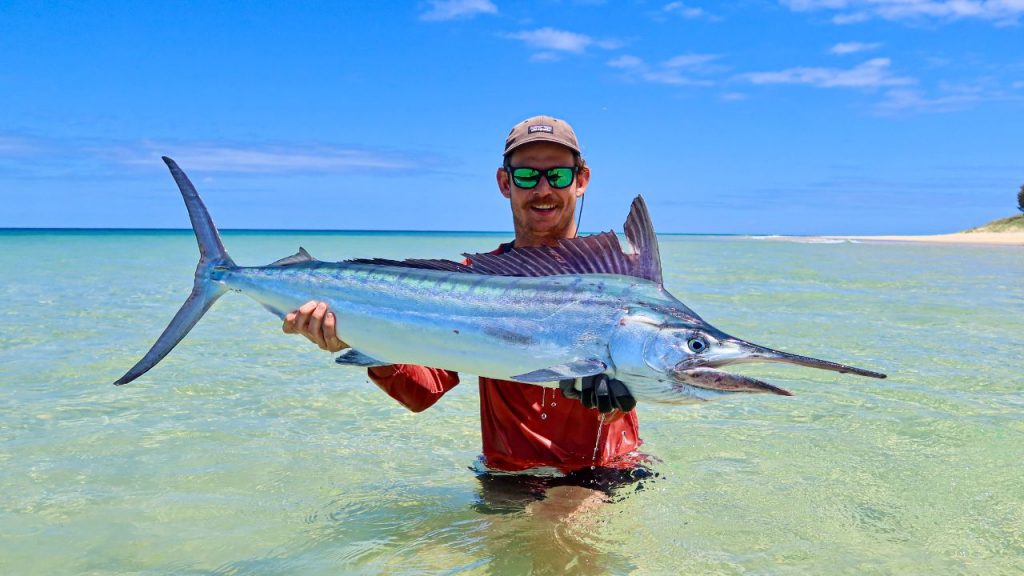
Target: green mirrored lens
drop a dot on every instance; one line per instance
(525, 177)
(526, 173)
(559, 177)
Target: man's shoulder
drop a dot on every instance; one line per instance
(503, 248)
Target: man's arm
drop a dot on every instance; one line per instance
(415, 387)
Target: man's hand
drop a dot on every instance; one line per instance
(599, 391)
(314, 321)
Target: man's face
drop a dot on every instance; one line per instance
(542, 215)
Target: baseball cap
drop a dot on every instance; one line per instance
(541, 129)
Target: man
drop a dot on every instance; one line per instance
(525, 428)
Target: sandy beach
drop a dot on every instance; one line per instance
(993, 238)
(989, 238)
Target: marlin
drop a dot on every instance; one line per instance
(535, 315)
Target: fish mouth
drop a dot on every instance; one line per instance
(703, 372)
(722, 381)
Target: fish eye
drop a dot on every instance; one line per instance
(697, 344)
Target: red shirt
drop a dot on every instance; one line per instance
(523, 426)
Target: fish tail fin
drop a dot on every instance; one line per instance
(212, 257)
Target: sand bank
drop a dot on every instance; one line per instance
(994, 238)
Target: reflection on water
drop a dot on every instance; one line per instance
(557, 534)
(559, 519)
(515, 525)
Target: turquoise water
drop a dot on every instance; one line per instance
(249, 452)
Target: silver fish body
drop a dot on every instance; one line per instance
(535, 315)
(490, 326)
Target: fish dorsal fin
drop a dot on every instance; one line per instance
(598, 254)
(640, 233)
(298, 258)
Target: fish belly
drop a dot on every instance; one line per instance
(497, 327)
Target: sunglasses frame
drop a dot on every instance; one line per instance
(546, 173)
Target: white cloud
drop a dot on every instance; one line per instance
(844, 48)
(999, 11)
(682, 10)
(223, 158)
(871, 74)
(851, 18)
(907, 100)
(608, 44)
(560, 40)
(441, 10)
(545, 57)
(626, 62)
(734, 96)
(803, 5)
(669, 71)
(673, 77)
(689, 60)
(1018, 85)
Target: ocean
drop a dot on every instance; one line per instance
(248, 451)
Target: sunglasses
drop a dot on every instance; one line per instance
(558, 177)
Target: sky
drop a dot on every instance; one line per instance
(747, 117)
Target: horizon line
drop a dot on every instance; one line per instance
(25, 229)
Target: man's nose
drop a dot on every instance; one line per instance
(542, 185)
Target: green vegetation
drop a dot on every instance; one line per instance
(1020, 198)
(1011, 224)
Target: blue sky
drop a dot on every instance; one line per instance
(789, 116)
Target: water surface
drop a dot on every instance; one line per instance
(249, 451)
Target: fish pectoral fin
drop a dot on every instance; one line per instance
(574, 369)
(275, 310)
(353, 357)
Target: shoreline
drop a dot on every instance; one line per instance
(976, 238)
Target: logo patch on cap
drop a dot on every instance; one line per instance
(540, 128)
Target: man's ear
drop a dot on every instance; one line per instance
(582, 179)
(504, 185)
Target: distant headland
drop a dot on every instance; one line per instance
(1004, 232)
(1011, 224)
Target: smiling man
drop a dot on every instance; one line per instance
(543, 174)
(525, 429)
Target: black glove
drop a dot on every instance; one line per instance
(599, 391)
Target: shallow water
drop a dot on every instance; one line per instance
(249, 451)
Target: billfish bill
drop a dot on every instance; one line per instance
(533, 315)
